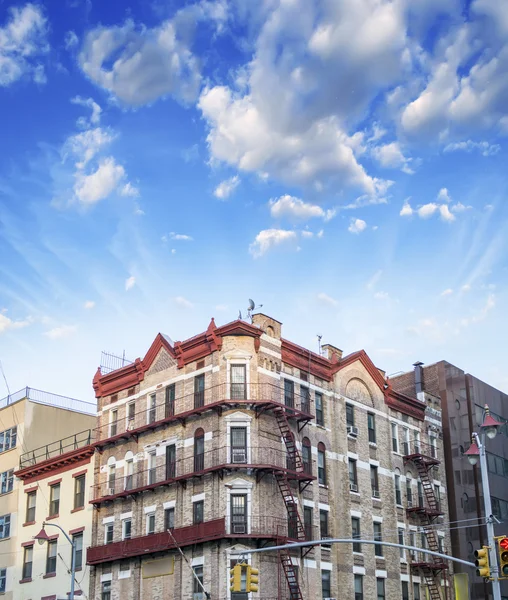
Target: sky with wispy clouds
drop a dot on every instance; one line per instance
(340, 162)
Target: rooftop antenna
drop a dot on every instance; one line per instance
(252, 306)
(240, 315)
(319, 336)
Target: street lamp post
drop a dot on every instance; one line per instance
(42, 537)
(476, 451)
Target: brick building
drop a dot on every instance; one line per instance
(236, 439)
(463, 398)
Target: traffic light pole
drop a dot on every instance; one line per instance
(496, 589)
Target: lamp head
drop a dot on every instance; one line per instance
(473, 453)
(42, 537)
(490, 426)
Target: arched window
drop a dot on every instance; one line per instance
(307, 456)
(199, 450)
(129, 470)
(321, 461)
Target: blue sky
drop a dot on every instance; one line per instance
(340, 163)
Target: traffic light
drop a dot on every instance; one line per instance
(252, 579)
(235, 580)
(503, 556)
(482, 562)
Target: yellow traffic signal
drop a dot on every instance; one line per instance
(252, 579)
(482, 562)
(503, 556)
(235, 580)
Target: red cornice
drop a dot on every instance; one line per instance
(405, 404)
(56, 465)
(305, 360)
(370, 367)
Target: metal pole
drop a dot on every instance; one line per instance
(496, 589)
(73, 556)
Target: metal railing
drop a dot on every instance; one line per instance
(54, 449)
(184, 404)
(415, 447)
(267, 458)
(49, 399)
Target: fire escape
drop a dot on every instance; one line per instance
(428, 510)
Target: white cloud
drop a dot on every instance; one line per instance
(445, 213)
(465, 288)
(89, 304)
(326, 299)
(71, 40)
(269, 238)
(130, 283)
(95, 117)
(406, 210)
(294, 208)
(427, 210)
(90, 189)
(447, 292)
(180, 237)
(443, 195)
(182, 302)
(485, 148)
(140, 64)
(226, 187)
(382, 296)
(87, 144)
(391, 156)
(357, 226)
(61, 332)
(22, 40)
(130, 191)
(458, 207)
(7, 324)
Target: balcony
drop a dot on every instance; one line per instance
(261, 460)
(259, 397)
(56, 449)
(49, 399)
(420, 452)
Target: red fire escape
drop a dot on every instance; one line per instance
(432, 568)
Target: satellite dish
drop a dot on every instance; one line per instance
(252, 305)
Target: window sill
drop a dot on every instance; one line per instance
(28, 523)
(27, 580)
(399, 506)
(53, 517)
(48, 575)
(373, 444)
(358, 553)
(5, 538)
(6, 493)
(323, 485)
(376, 499)
(354, 493)
(77, 509)
(78, 569)
(379, 557)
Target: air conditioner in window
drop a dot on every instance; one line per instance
(111, 491)
(353, 487)
(352, 431)
(329, 598)
(130, 425)
(239, 457)
(375, 493)
(239, 527)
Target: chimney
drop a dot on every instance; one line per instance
(419, 379)
(332, 353)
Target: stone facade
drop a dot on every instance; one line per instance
(249, 372)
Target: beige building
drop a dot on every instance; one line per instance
(238, 439)
(30, 421)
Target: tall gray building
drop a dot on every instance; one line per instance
(463, 398)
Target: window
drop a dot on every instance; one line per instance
(380, 584)
(152, 468)
(420, 494)
(320, 417)
(289, 393)
(307, 522)
(353, 479)
(31, 499)
(321, 459)
(409, 491)
(152, 408)
(398, 493)
(238, 510)
(150, 523)
(131, 412)
(113, 426)
(106, 590)
(126, 529)
(111, 478)
(125, 565)
(3, 580)
(238, 445)
(239, 595)
(433, 446)
(323, 524)
(238, 382)
(378, 548)
(306, 456)
(8, 439)
(198, 509)
(412, 542)
(54, 500)
(170, 461)
(440, 544)
(371, 424)
(350, 415)
(305, 399)
(169, 518)
(5, 526)
(416, 591)
(199, 450)
(79, 491)
(417, 442)
(406, 444)
(358, 587)
(197, 589)
(6, 481)
(169, 401)
(437, 495)
(199, 391)
(108, 533)
(129, 473)
(325, 583)
(78, 542)
(374, 481)
(28, 556)
(355, 529)
(395, 438)
(401, 541)
(405, 590)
